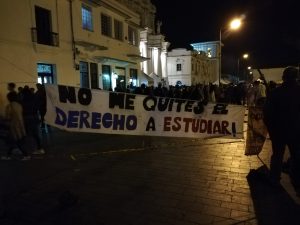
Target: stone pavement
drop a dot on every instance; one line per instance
(91, 180)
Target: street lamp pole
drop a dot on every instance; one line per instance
(220, 55)
(245, 56)
(238, 69)
(234, 25)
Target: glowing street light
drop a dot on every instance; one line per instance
(245, 56)
(235, 24)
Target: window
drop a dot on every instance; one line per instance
(178, 67)
(43, 26)
(84, 74)
(106, 77)
(120, 78)
(209, 52)
(132, 36)
(133, 77)
(94, 75)
(118, 25)
(106, 25)
(45, 73)
(87, 20)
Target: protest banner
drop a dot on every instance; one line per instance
(256, 132)
(98, 111)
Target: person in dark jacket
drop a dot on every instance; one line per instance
(282, 118)
(31, 119)
(41, 100)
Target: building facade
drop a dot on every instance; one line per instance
(154, 47)
(186, 67)
(83, 43)
(212, 51)
(152, 42)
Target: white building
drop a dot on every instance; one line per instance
(152, 43)
(212, 50)
(84, 43)
(154, 47)
(190, 67)
(106, 42)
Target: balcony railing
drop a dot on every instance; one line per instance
(50, 38)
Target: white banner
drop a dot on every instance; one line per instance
(256, 132)
(97, 111)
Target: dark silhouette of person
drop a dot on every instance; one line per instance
(272, 85)
(282, 118)
(17, 133)
(11, 87)
(159, 91)
(31, 119)
(41, 100)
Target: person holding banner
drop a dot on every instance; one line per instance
(282, 118)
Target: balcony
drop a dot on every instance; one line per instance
(89, 46)
(95, 3)
(44, 38)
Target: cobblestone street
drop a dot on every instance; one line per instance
(103, 179)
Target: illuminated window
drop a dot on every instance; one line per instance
(178, 67)
(106, 25)
(106, 77)
(45, 73)
(86, 16)
(44, 68)
(118, 25)
(133, 77)
(132, 36)
(209, 52)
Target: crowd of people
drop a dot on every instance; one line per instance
(24, 117)
(280, 103)
(27, 107)
(250, 94)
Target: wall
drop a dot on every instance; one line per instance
(183, 57)
(19, 55)
(196, 68)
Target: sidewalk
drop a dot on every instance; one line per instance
(179, 182)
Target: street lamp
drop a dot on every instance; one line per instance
(234, 25)
(245, 56)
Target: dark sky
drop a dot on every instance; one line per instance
(270, 32)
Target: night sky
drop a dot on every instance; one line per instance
(270, 32)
